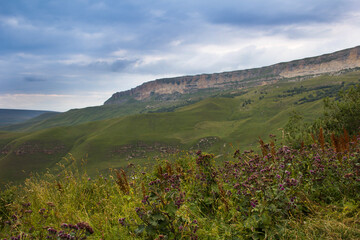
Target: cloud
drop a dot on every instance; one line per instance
(73, 47)
(276, 12)
(55, 102)
(34, 79)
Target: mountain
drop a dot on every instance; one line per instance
(210, 124)
(299, 69)
(167, 95)
(12, 116)
(149, 128)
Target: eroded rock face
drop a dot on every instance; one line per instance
(328, 63)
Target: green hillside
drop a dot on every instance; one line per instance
(210, 124)
(13, 116)
(89, 114)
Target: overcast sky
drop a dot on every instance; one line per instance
(63, 54)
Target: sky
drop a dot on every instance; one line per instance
(64, 54)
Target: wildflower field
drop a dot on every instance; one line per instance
(276, 193)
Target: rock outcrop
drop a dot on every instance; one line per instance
(314, 66)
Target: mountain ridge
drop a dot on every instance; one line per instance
(307, 67)
(14, 116)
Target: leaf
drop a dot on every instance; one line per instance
(140, 229)
(171, 209)
(153, 223)
(158, 217)
(208, 200)
(266, 219)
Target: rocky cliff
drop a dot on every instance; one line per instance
(314, 66)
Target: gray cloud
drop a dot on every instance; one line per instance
(33, 79)
(79, 46)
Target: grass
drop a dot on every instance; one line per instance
(282, 193)
(226, 118)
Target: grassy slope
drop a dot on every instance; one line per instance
(228, 119)
(84, 115)
(13, 116)
(76, 116)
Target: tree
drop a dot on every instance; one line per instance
(343, 114)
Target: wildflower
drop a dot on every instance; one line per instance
(145, 199)
(348, 175)
(278, 176)
(253, 203)
(26, 204)
(64, 225)
(28, 211)
(86, 226)
(181, 228)
(293, 182)
(122, 221)
(75, 227)
(52, 230)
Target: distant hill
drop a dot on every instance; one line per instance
(13, 116)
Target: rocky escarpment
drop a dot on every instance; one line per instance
(328, 63)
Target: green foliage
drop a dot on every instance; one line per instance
(297, 131)
(345, 113)
(6, 198)
(339, 113)
(251, 196)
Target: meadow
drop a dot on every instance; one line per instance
(275, 192)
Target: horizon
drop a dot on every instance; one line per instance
(62, 55)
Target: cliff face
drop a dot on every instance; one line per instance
(328, 63)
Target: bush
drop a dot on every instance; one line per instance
(345, 113)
